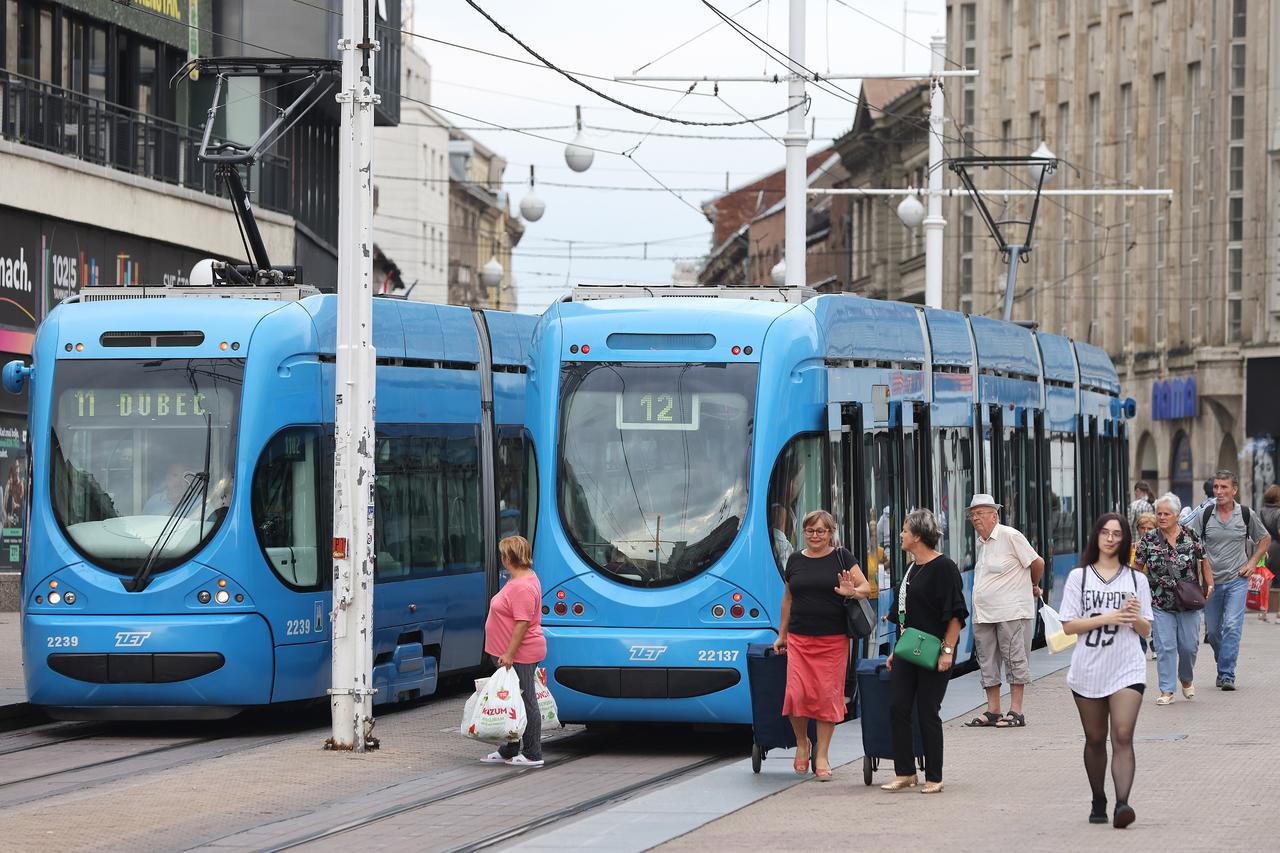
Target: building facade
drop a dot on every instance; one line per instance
(411, 193)
(1183, 294)
(482, 229)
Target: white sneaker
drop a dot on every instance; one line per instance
(493, 758)
(521, 761)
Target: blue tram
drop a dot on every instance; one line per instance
(180, 511)
(682, 439)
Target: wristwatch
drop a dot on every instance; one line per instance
(947, 650)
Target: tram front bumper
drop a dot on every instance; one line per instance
(139, 662)
(662, 675)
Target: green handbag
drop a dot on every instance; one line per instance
(914, 646)
(918, 648)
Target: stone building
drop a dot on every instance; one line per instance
(1184, 295)
(482, 228)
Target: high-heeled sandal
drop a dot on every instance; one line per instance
(802, 767)
(900, 784)
(823, 773)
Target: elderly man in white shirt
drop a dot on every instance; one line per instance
(1006, 583)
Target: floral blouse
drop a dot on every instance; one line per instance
(1165, 565)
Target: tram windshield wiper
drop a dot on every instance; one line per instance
(196, 490)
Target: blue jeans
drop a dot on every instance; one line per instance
(1176, 635)
(1224, 623)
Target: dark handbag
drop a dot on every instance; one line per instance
(914, 646)
(1188, 595)
(859, 615)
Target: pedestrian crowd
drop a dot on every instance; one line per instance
(1146, 575)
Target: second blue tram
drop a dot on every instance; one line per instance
(180, 502)
(682, 439)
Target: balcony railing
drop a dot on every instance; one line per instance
(50, 117)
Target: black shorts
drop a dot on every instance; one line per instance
(1140, 687)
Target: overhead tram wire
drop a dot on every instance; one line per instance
(571, 78)
(894, 29)
(692, 39)
(488, 53)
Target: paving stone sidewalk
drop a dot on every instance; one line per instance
(1208, 770)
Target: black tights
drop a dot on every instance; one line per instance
(1119, 712)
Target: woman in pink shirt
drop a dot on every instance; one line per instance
(513, 636)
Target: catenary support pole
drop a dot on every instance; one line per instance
(796, 141)
(351, 693)
(933, 221)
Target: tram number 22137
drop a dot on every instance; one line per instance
(717, 654)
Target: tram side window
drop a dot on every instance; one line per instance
(516, 472)
(956, 456)
(292, 505)
(796, 488)
(880, 470)
(427, 498)
(1062, 495)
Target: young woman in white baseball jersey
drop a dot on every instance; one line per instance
(1108, 605)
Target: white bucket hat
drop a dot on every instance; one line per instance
(983, 500)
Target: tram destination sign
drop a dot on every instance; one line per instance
(122, 406)
(657, 409)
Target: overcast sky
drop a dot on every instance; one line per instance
(609, 228)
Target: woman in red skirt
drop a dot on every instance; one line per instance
(812, 635)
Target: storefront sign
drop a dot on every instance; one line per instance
(13, 490)
(43, 261)
(1173, 399)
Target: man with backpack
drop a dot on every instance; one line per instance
(1234, 541)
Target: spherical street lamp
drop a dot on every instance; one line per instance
(911, 212)
(1033, 171)
(491, 274)
(779, 274)
(577, 155)
(531, 206)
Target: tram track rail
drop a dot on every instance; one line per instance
(567, 811)
(12, 792)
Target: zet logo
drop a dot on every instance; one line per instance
(131, 639)
(647, 652)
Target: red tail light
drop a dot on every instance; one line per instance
(561, 608)
(737, 611)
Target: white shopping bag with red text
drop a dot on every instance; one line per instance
(497, 715)
(546, 702)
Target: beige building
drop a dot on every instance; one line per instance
(482, 228)
(1184, 295)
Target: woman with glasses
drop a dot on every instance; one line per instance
(1170, 554)
(1108, 605)
(813, 636)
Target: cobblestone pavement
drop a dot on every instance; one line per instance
(1208, 770)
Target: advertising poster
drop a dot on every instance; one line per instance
(13, 490)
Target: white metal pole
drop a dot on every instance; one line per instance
(933, 221)
(351, 693)
(796, 141)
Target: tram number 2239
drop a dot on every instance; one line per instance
(717, 654)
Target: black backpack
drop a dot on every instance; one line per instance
(1245, 515)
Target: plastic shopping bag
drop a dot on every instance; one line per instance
(497, 715)
(1259, 589)
(1055, 638)
(546, 702)
(469, 710)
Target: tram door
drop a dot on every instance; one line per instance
(880, 470)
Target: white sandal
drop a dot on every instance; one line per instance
(1165, 699)
(1189, 690)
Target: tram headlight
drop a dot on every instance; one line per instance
(203, 596)
(69, 597)
(222, 596)
(55, 598)
(718, 611)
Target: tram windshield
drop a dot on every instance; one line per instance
(654, 464)
(143, 457)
